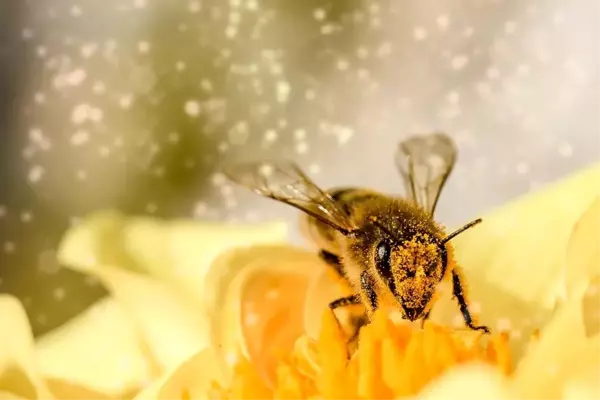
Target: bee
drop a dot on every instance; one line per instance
(388, 248)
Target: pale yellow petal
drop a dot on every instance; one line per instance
(520, 248)
(179, 252)
(563, 354)
(190, 380)
(18, 374)
(230, 275)
(583, 253)
(474, 381)
(171, 326)
(100, 350)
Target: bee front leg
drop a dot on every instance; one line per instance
(333, 261)
(457, 290)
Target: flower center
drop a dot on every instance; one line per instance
(393, 359)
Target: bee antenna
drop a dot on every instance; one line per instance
(461, 230)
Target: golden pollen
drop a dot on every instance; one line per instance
(393, 359)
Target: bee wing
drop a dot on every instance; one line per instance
(425, 163)
(284, 181)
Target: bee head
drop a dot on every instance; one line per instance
(411, 269)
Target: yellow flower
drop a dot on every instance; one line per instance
(532, 266)
(194, 303)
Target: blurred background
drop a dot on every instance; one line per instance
(133, 104)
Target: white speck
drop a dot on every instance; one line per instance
(510, 27)
(218, 179)
(200, 209)
(41, 51)
(143, 47)
(180, 66)
(26, 216)
(459, 62)
(125, 101)
(443, 21)
(99, 87)
(104, 151)
(251, 319)
(362, 52)
(80, 137)
(492, 73)
(522, 168)
(231, 359)
(300, 134)
(35, 173)
(39, 97)
(37, 137)
(266, 170)
(230, 31)
(192, 108)
(302, 147)
(194, 6)
(59, 293)
(139, 4)
(3, 211)
(319, 14)
(83, 112)
(314, 169)
(565, 150)
(88, 50)
(173, 137)
(27, 33)
(76, 77)
(9, 247)
(271, 135)
(342, 64)
(238, 135)
(206, 85)
(283, 91)
(343, 134)
(384, 50)
(151, 208)
(468, 31)
(272, 294)
(81, 175)
(419, 33)
(503, 324)
(453, 97)
(310, 94)
(76, 11)
(327, 29)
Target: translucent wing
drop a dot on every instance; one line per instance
(425, 163)
(285, 182)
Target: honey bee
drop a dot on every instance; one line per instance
(388, 248)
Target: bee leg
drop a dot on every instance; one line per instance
(366, 284)
(425, 318)
(344, 301)
(333, 261)
(457, 290)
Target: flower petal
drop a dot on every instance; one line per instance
(514, 262)
(18, 374)
(99, 351)
(235, 284)
(583, 252)
(172, 327)
(473, 381)
(562, 356)
(179, 251)
(191, 379)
